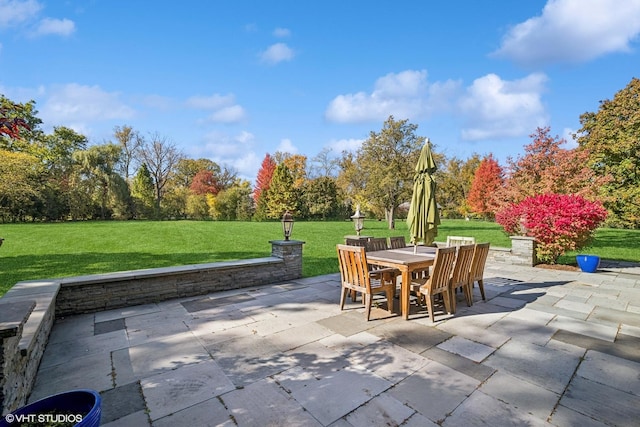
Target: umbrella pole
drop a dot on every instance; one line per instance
(415, 248)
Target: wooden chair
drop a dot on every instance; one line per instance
(476, 271)
(355, 276)
(355, 242)
(376, 244)
(459, 241)
(460, 276)
(439, 282)
(397, 242)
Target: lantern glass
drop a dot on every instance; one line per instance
(358, 220)
(287, 224)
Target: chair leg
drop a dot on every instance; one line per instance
(448, 301)
(343, 296)
(451, 298)
(468, 294)
(367, 302)
(481, 286)
(430, 304)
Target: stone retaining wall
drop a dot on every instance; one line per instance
(28, 310)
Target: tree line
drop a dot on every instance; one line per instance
(60, 176)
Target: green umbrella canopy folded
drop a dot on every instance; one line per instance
(423, 218)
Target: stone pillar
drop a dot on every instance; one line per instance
(523, 251)
(291, 252)
(13, 390)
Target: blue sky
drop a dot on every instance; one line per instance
(234, 80)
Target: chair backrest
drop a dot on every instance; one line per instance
(460, 240)
(396, 242)
(376, 244)
(478, 262)
(462, 266)
(442, 268)
(353, 267)
(355, 242)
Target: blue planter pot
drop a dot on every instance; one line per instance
(588, 263)
(81, 406)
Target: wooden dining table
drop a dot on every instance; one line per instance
(406, 260)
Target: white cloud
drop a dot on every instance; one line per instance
(496, 108)
(286, 146)
(62, 27)
(340, 145)
(277, 53)
(76, 106)
(224, 106)
(232, 114)
(13, 12)
(571, 31)
(406, 95)
(212, 102)
(281, 32)
(235, 151)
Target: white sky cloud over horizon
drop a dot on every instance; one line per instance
(340, 145)
(235, 151)
(224, 106)
(572, 31)
(286, 146)
(277, 53)
(13, 12)
(61, 27)
(496, 108)
(281, 32)
(402, 94)
(80, 103)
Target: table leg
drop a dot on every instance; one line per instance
(405, 291)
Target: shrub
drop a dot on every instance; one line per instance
(559, 222)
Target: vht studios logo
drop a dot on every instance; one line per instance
(43, 418)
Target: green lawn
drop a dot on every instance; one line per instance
(37, 251)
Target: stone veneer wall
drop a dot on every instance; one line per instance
(28, 309)
(522, 252)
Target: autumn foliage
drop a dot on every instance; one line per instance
(204, 182)
(11, 126)
(487, 181)
(559, 222)
(263, 180)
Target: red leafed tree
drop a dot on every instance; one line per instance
(548, 168)
(487, 182)
(204, 182)
(11, 126)
(559, 222)
(263, 180)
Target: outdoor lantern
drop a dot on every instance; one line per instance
(287, 224)
(358, 220)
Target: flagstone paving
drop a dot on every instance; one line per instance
(547, 348)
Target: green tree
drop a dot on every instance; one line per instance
(454, 182)
(320, 198)
(20, 185)
(142, 191)
(96, 166)
(612, 138)
(282, 195)
(27, 137)
(234, 203)
(387, 161)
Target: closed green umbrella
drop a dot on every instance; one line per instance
(423, 218)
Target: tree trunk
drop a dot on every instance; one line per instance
(388, 214)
